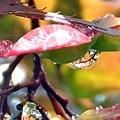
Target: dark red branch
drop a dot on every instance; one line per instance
(32, 88)
(6, 80)
(50, 90)
(8, 72)
(11, 89)
(34, 21)
(17, 8)
(58, 108)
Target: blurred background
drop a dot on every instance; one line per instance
(85, 89)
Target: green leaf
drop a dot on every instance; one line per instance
(107, 43)
(66, 55)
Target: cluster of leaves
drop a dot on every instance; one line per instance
(76, 43)
(71, 39)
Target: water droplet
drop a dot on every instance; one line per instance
(113, 107)
(87, 61)
(29, 109)
(109, 15)
(7, 117)
(74, 117)
(5, 46)
(99, 108)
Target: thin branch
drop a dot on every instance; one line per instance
(17, 8)
(32, 88)
(50, 90)
(58, 108)
(37, 68)
(34, 21)
(46, 85)
(8, 72)
(5, 84)
(68, 20)
(17, 87)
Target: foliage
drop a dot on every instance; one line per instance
(73, 40)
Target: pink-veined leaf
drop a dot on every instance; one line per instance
(44, 38)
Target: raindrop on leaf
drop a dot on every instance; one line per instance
(87, 61)
(5, 47)
(30, 111)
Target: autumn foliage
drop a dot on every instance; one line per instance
(70, 40)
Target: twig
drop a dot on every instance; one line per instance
(17, 8)
(34, 21)
(50, 90)
(5, 84)
(68, 20)
(11, 89)
(33, 87)
(8, 72)
(46, 85)
(58, 108)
